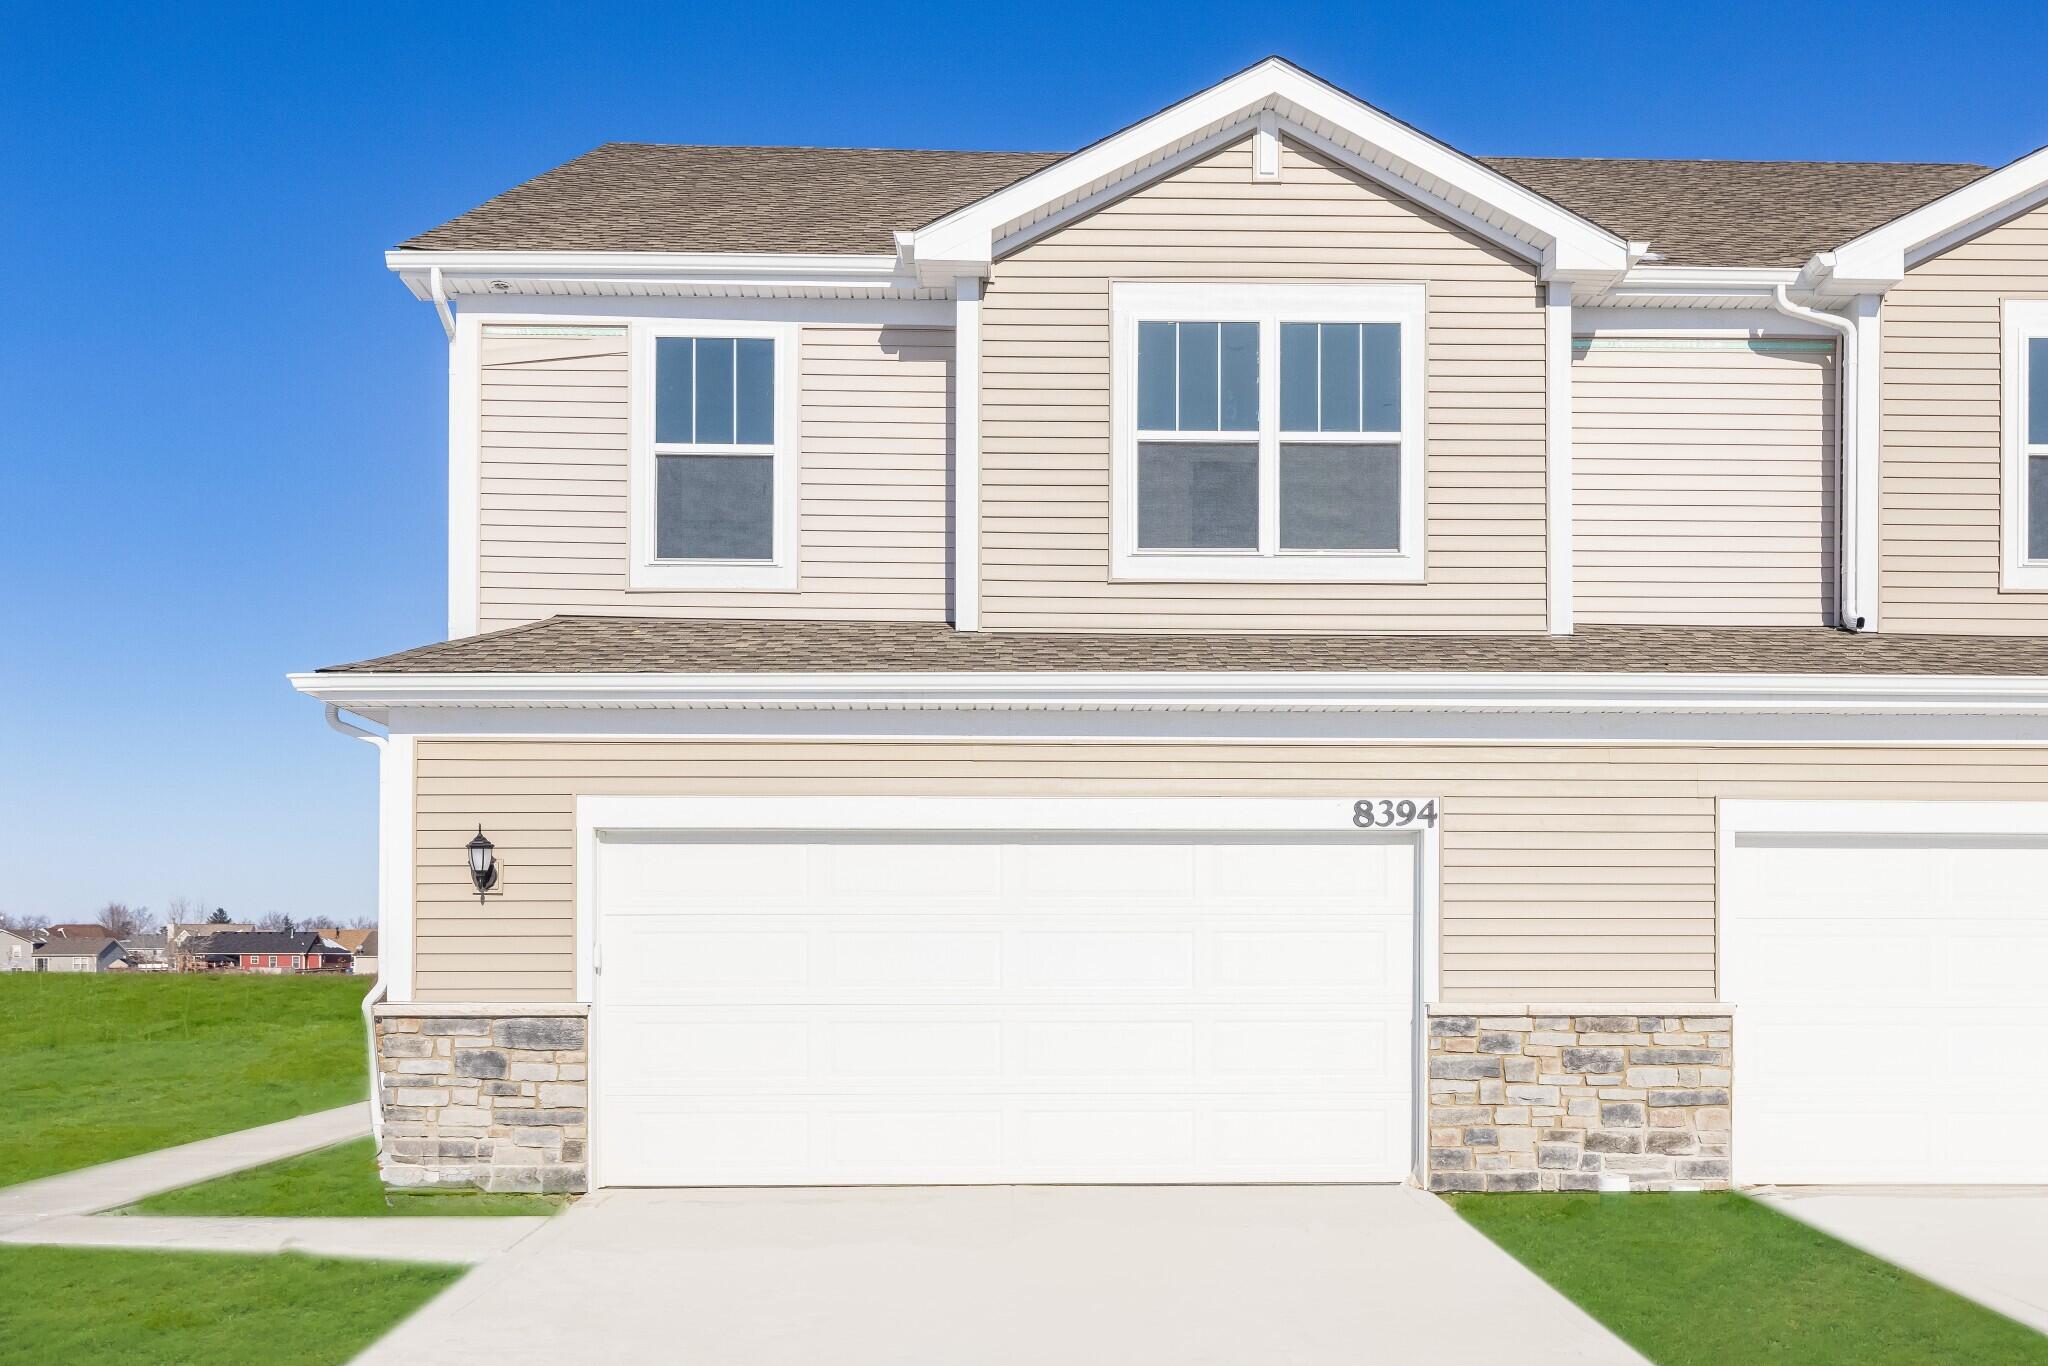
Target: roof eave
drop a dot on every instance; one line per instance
(548, 272)
(1878, 259)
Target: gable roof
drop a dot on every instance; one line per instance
(368, 948)
(647, 197)
(628, 645)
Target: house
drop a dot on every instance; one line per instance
(181, 938)
(267, 951)
(147, 952)
(78, 952)
(364, 962)
(1268, 648)
(17, 952)
(352, 940)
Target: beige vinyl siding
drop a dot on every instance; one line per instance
(872, 502)
(1045, 424)
(1703, 482)
(1938, 514)
(1568, 871)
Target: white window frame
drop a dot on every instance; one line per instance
(1269, 306)
(2023, 320)
(644, 568)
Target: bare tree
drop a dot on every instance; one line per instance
(362, 922)
(121, 920)
(186, 910)
(28, 926)
(276, 920)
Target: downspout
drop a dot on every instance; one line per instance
(1847, 592)
(440, 297)
(377, 990)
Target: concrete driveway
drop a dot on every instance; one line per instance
(1080, 1275)
(1989, 1243)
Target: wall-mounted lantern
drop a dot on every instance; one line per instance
(483, 864)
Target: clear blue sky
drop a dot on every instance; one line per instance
(221, 421)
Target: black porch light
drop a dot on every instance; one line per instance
(483, 864)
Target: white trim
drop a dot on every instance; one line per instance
(465, 273)
(644, 569)
(1268, 305)
(1880, 258)
(1839, 694)
(465, 477)
(1755, 321)
(599, 815)
(1557, 483)
(966, 537)
(395, 867)
(1565, 243)
(575, 310)
(1266, 147)
(2019, 321)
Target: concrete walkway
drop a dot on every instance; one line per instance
(112, 1184)
(1001, 1276)
(1987, 1243)
(61, 1210)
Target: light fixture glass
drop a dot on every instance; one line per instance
(483, 864)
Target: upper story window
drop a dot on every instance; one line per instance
(2023, 501)
(1268, 432)
(714, 456)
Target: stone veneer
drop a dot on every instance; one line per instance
(1578, 1102)
(493, 1098)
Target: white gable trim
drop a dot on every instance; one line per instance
(1566, 245)
(1880, 258)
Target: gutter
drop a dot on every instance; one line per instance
(378, 990)
(1470, 691)
(1848, 591)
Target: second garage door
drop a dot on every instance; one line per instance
(846, 1009)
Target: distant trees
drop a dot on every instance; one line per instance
(121, 920)
(27, 926)
(219, 917)
(276, 920)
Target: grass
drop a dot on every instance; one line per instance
(1710, 1279)
(99, 1067)
(120, 1308)
(333, 1182)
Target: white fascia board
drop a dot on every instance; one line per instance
(1879, 258)
(1660, 287)
(1570, 244)
(751, 269)
(1381, 691)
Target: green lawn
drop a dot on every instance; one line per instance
(104, 1066)
(1714, 1279)
(67, 1304)
(336, 1181)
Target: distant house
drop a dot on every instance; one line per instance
(266, 951)
(352, 940)
(147, 952)
(365, 954)
(178, 936)
(17, 952)
(79, 952)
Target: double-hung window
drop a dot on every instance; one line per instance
(2024, 488)
(1267, 432)
(714, 475)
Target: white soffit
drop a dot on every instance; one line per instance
(1881, 257)
(646, 274)
(1566, 245)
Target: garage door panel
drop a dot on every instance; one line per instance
(1886, 988)
(1005, 1009)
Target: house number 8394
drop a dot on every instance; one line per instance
(1385, 812)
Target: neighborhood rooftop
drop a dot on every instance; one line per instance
(627, 196)
(627, 645)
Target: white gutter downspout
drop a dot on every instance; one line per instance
(440, 297)
(376, 992)
(1848, 590)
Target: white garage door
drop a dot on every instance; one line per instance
(837, 1009)
(1888, 994)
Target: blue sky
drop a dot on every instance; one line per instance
(222, 423)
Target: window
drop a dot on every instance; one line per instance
(714, 466)
(1268, 432)
(2024, 500)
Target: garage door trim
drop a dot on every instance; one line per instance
(597, 817)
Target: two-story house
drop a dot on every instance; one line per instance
(1267, 648)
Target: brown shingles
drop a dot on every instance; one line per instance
(629, 645)
(650, 197)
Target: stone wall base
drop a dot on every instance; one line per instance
(495, 1102)
(1532, 1102)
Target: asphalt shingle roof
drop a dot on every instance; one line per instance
(629, 645)
(258, 941)
(630, 196)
